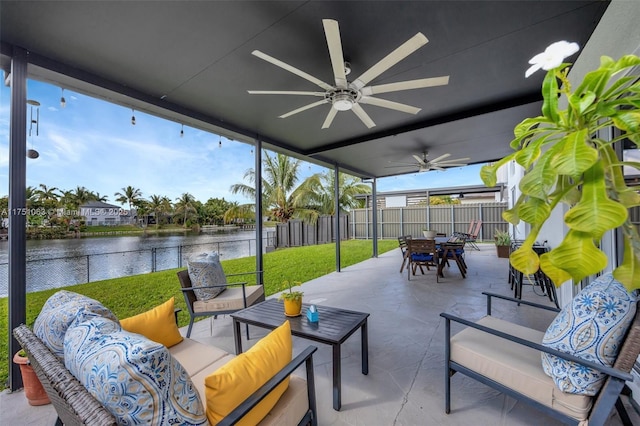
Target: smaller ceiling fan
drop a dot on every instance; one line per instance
(424, 164)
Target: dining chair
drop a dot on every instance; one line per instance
(402, 243)
(422, 253)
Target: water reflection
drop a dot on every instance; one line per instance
(58, 263)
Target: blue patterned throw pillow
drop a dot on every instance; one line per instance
(135, 378)
(60, 312)
(592, 327)
(206, 270)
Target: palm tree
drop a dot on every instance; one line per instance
(159, 205)
(97, 197)
(280, 176)
(185, 206)
(79, 196)
(46, 193)
(128, 195)
(317, 194)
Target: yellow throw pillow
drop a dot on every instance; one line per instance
(235, 381)
(157, 324)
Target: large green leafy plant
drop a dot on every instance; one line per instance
(566, 162)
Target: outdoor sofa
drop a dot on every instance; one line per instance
(108, 375)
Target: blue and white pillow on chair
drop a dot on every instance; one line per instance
(60, 312)
(591, 327)
(135, 378)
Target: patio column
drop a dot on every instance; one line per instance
(259, 223)
(336, 196)
(17, 206)
(374, 202)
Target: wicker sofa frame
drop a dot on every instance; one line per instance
(76, 406)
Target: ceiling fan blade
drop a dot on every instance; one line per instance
(332, 33)
(284, 92)
(406, 85)
(455, 160)
(363, 116)
(405, 166)
(434, 167)
(406, 49)
(291, 69)
(452, 165)
(442, 157)
(330, 116)
(304, 108)
(419, 159)
(389, 104)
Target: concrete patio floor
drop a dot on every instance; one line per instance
(405, 384)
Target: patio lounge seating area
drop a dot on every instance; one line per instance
(405, 384)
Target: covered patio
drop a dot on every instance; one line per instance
(405, 384)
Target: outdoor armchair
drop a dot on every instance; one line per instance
(237, 296)
(507, 357)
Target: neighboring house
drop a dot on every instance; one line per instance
(99, 213)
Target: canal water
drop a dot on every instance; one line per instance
(59, 263)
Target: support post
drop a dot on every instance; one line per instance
(374, 199)
(259, 222)
(336, 197)
(17, 207)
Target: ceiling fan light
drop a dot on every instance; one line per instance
(342, 103)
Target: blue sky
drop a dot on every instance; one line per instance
(92, 143)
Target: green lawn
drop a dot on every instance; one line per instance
(135, 294)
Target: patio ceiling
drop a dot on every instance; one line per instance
(191, 62)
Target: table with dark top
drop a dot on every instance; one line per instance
(333, 328)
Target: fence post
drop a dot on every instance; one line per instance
(153, 259)
(401, 222)
(453, 220)
(88, 275)
(179, 256)
(480, 236)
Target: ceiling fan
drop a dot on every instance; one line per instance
(347, 95)
(424, 164)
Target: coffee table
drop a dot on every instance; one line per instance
(333, 328)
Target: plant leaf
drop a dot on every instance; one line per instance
(580, 102)
(511, 215)
(550, 95)
(525, 260)
(534, 211)
(629, 272)
(539, 181)
(595, 81)
(488, 171)
(578, 255)
(575, 156)
(627, 120)
(557, 275)
(596, 213)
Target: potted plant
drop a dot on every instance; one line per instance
(567, 161)
(292, 299)
(503, 243)
(33, 390)
(429, 234)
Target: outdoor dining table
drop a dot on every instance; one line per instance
(445, 247)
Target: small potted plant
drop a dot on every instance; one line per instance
(33, 390)
(292, 299)
(503, 243)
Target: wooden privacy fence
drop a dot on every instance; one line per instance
(296, 233)
(444, 218)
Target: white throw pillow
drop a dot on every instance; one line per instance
(205, 270)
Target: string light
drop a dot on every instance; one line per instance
(182, 130)
(63, 101)
(133, 117)
(220, 143)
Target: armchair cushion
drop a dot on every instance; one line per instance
(63, 310)
(592, 327)
(230, 300)
(205, 270)
(231, 384)
(135, 378)
(157, 324)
